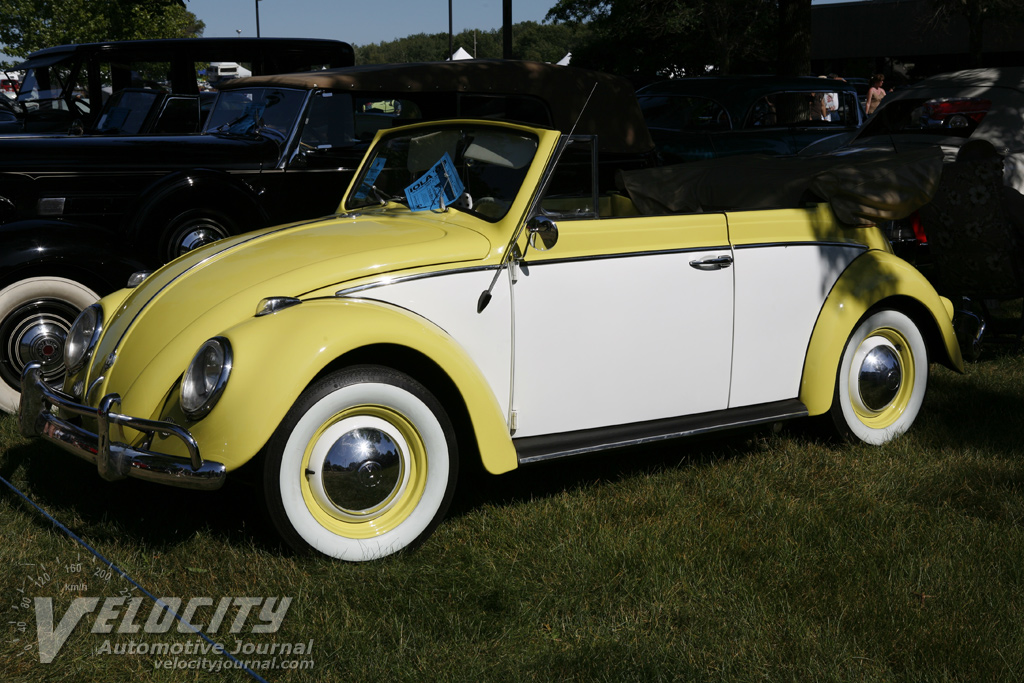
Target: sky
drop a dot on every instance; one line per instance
(359, 23)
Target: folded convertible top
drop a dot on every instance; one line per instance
(863, 188)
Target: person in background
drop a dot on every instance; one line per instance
(832, 102)
(875, 93)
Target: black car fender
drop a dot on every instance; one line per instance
(85, 253)
(218, 202)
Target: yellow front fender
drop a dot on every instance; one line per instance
(277, 356)
(874, 279)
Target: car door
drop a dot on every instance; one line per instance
(625, 319)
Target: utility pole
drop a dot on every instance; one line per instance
(257, 18)
(506, 21)
(451, 48)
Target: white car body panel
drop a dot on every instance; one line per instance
(612, 341)
(780, 290)
(449, 301)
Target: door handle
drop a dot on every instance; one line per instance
(712, 262)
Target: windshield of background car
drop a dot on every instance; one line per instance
(491, 164)
(941, 116)
(696, 114)
(44, 87)
(252, 110)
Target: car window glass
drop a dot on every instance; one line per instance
(151, 75)
(491, 163)
(570, 192)
(242, 112)
(697, 114)
(957, 117)
(329, 122)
(784, 109)
(44, 86)
(127, 111)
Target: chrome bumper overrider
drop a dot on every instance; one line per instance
(113, 459)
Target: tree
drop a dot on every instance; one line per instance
(794, 38)
(976, 13)
(530, 40)
(31, 25)
(651, 38)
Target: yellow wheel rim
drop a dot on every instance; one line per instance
(394, 508)
(882, 376)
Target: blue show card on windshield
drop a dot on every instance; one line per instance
(437, 188)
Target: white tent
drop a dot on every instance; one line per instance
(460, 54)
(564, 61)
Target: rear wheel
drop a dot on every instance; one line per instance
(363, 466)
(882, 379)
(35, 317)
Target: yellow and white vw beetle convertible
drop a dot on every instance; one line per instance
(482, 294)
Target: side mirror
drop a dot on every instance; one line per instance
(543, 233)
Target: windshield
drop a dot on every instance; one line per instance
(474, 168)
(242, 112)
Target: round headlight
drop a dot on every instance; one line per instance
(206, 377)
(82, 338)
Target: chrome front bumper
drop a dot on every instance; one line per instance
(114, 460)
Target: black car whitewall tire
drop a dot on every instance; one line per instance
(35, 317)
(882, 379)
(363, 466)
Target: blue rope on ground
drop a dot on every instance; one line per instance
(120, 572)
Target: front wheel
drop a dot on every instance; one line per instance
(882, 379)
(363, 466)
(35, 317)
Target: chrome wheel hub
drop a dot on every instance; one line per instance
(879, 375)
(357, 468)
(36, 333)
(197, 237)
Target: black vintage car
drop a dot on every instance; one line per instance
(704, 118)
(79, 214)
(66, 86)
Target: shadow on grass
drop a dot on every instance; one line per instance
(554, 477)
(973, 411)
(72, 491)
(163, 517)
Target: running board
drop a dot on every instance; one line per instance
(537, 448)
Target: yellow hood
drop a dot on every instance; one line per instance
(158, 328)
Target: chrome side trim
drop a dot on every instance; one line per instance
(762, 245)
(407, 278)
(539, 448)
(113, 460)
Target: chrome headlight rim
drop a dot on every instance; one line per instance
(81, 337)
(195, 404)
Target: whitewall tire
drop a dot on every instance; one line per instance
(363, 466)
(35, 317)
(882, 379)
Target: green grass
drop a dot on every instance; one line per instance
(754, 557)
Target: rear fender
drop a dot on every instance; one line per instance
(875, 279)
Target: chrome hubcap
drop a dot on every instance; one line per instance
(357, 467)
(36, 333)
(880, 376)
(198, 237)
